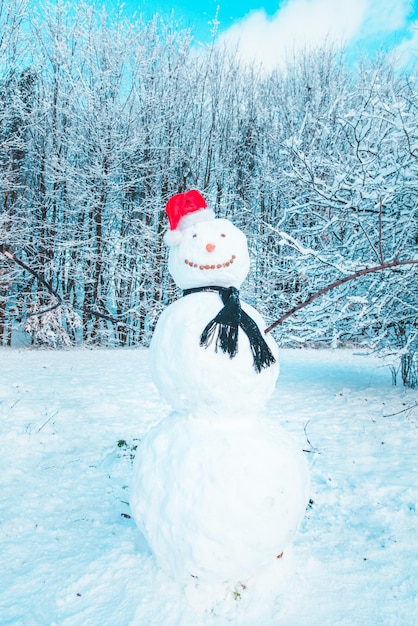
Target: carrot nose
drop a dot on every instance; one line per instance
(210, 247)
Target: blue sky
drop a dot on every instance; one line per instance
(268, 30)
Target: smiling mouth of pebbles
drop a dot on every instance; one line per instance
(216, 266)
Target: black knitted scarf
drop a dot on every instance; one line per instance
(224, 328)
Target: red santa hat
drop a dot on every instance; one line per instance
(184, 210)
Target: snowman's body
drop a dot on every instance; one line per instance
(189, 376)
(218, 491)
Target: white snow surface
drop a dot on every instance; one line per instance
(72, 556)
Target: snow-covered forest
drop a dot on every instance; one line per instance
(102, 120)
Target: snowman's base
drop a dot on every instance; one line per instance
(248, 597)
(218, 499)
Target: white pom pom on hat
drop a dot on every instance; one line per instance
(184, 210)
(172, 237)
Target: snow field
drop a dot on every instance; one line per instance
(72, 556)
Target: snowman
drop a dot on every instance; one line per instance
(218, 491)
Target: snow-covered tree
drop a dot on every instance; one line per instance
(359, 209)
(102, 120)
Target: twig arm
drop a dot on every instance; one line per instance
(42, 280)
(337, 283)
(52, 291)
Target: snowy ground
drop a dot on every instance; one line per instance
(71, 555)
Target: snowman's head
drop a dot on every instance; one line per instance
(204, 250)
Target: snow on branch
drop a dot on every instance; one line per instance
(287, 239)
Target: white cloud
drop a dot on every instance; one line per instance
(385, 16)
(406, 53)
(304, 24)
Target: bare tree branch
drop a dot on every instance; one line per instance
(337, 283)
(7, 253)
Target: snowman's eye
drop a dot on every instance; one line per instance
(223, 235)
(194, 235)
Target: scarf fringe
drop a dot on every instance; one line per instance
(262, 356)
(226, 337)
